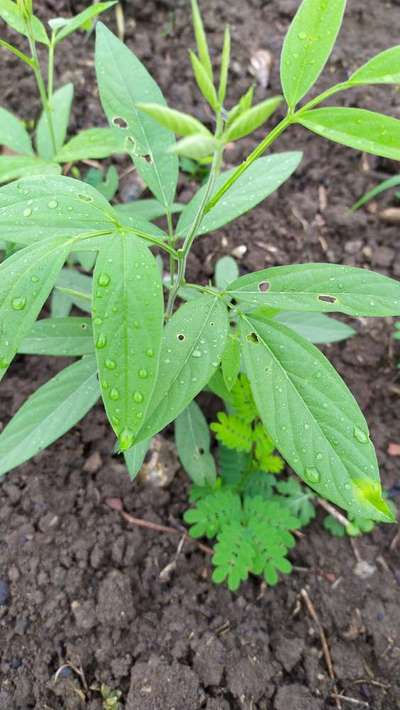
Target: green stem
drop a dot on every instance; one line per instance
(14, 50)
(171, 239)
(50, 68)
(325, 95)
(153, 240)
(42, 89)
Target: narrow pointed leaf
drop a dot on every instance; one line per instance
(230, 363)
(193, 342)
(225, 60)
(26, 279)
(197, 146)
(382, 187)
(134, 458)
(308, 44)
(127, 325)
(38, 207)
(68, 337)
(123, 81)
(12, 16)
(93, 144)
(357, 128)
(69, 284)
(382, 69)
(201, 40)
(13, 167)
(316, 327)
(75, 23)
(51, 411)
(313, 418)
(320, 287)
(13, 134)
(262, 178)
(180, 123)
(226, 271)
(253, 118)
(148, 209)
(60, 107)
(192, 437)
(204, 82)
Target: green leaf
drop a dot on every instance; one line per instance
(203, 81)
(298, 499)
(41, 206)
(226, 271)
(320, 287)
(308, 44)
(12, 16)
(193, 440)
(262, 178)
(71, 282)
(146, 209)
(75, 23)
(193, 342)
(68, 337)
(134, 458)
(382, 69)
(13, 133)
(49, 413)
(382, 187)
(196, 147)
(201, 40)
(225, 59)
(231, 361)
(108, 186)
(316, 327)
(123, 82)
(253, 118)
(127, 324)
(357, 128)
(180, 123)
(26, 279)
(92, 144)
(312, 418)
(60, 108)
(13, 167)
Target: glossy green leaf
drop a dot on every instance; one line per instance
(51, 411)
(230, 363)
(253, 118)
(12, 16)
(127, 324)
(193, 342)
(382, 69)
(75, 23)
(146, 209)
(226, 271)
(123, 82)
(26, 279)
(180, 123)
(262, 178)
(320, 287)
(73, 281)
(60, 107)
(92, 144)
(382, 187)
(225, 59)
(196, 147)
(203, 81)
(308, 44)
(13, 167)
(133, 221)
(134, 458)
(357, 128)
(192, 437)
(13, 134)
(316, 327)
(38, 207)
(201, 40)
(312, 418)
(68, 337)
(106, 184)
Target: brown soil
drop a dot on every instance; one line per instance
(78, 584)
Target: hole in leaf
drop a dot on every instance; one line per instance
(327, 299)
(201, 451)
(147, 158)
(252, 337)
(130, 144)
(264, 286)
(85, 198)
(119, 122)
(83, 326)
(180, 336)
(234, 302)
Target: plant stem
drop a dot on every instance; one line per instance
(171, 238)
(153, 240)
(50, 68)
(42, 89)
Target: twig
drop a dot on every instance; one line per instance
(324, 643)
(353, 701)
(333, 511)
(139, 522)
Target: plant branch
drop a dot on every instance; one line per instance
(50, 68)
(153, 240)
(41, 86)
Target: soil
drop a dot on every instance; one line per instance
(85, 593)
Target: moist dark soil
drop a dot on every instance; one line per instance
(101, 601)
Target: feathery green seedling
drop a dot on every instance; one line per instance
(149, 360)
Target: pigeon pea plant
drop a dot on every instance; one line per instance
(51, 148)
(149, 361)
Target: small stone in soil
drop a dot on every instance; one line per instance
(4, 592)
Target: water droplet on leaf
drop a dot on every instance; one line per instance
(18, 303)
(312, 475)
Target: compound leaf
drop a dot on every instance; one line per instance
(60, 108)
(127, 327)
(13, 134)
(312, 418)
(49, 413)
(308, 45)
(192, 437)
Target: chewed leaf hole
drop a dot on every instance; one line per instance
(252, 337)
(148, 159)
(83, 326)
(201, 451)
(130, 144)
(327, 299)
(181, 336)
(119, 122)
(85, 198)
(264, 286)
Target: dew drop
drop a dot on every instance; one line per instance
(138, 397)
(143, 374)
(101, 342)
(35, 279)
(302, 35)
(360, 435)
(27, 212)
(52, 204)
(4, 363)
(312, 475)
(110, 364)
(196, 353)
(126, 439)
(319, 457)
(114, 394)
(150, 352)
(97, 321)
(103, 279)
(18, 303)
